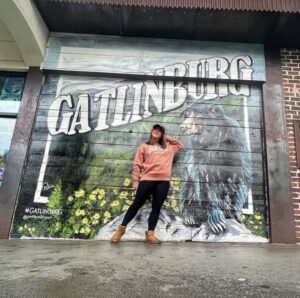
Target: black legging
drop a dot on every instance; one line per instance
(159, 191)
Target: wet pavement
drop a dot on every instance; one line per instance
(50, 268)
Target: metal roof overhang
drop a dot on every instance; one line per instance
(272, 27)
(253, 5)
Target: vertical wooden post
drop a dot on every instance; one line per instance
(18, 150)
(282, 224)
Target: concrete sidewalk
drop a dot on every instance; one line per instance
(48, 268)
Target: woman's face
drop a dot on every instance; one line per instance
(156, 134)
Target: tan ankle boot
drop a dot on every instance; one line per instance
(116, 237)
(150, 238)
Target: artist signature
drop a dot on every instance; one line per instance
(47, 186)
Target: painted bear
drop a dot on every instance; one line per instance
(217, 170)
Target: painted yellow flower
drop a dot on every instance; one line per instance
(33, 229)
(95, 191)
(95, 221)
(115, 204)
(70, 199)
(127, 182)
(87, 230)
(85, 221)
(20, 229)
(115, 191)
(128, 202)
(101, 197)
(166, 204)
(79, 194)
(78, 212)
(102, 203)
(92, 198)
(258, 217)
(105, 220)
(101, 191)
(175, 181)
(123, 195)
(125, 208)
(96, 216)
(176, 209)
(173, 203)
(81, 231)
(107, 214)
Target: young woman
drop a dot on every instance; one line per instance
(152, 169)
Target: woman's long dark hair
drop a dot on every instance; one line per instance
(161, 141)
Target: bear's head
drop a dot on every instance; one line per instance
(197, 116)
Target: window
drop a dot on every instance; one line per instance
(11, 89)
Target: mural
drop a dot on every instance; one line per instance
(77, 181)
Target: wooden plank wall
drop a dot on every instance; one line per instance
(140, 56)
(224, 155)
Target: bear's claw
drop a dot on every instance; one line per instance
(216, 221)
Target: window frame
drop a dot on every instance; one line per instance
(12, 114)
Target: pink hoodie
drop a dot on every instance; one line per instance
(154, 163)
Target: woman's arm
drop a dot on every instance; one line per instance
(176, 145)
(137, 167)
